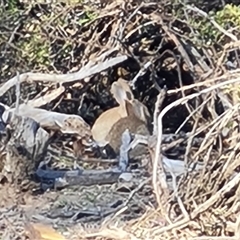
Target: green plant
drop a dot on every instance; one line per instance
(228, 18)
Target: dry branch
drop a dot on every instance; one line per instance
(66, 123)
(25, 148)
(86, 71)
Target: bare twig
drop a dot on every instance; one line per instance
(215, 24)
(123, 160)
(17, 94)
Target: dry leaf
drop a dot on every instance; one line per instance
(39, 231)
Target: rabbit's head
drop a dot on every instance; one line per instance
(139, 110)
(128, 104)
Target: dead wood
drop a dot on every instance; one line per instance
(66, 123)
(85, 72)
(25, 148)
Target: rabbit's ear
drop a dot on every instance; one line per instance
(129, 109)
(140, 111)
(121, 91)
(118, 93)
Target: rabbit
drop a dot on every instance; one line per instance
(130, 113)
(135, 123)
(121, 92)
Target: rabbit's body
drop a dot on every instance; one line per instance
(104, 123)
(134, 124)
